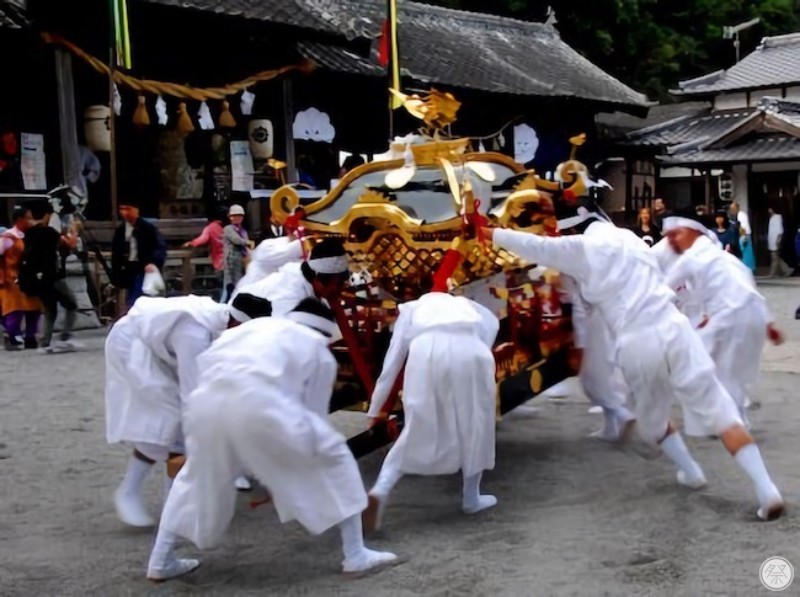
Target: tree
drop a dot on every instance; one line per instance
(652, 44)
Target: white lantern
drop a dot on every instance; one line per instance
(260, 136)
(97, 128)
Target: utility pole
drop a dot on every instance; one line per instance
(733, 33)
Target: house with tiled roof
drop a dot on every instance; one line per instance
(744, 145)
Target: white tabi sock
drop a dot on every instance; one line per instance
(352, 538)
(164, 564)
(128, 498)
(473, 501)
(749, 458)
(689, 472)
(357, 558)
(134, 476)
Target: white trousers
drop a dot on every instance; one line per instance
(667, 363)
(600, 377)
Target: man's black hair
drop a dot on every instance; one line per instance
(20, 211)
(310, 275)
(252, 306)
(315, 307)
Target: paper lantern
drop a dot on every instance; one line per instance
(97, 128)
(260, 136)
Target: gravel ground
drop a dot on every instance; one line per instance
(575, 517)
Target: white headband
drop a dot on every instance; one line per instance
(238, 315)
(322, 325)
(329, 265)
(674, 222)
(584, 215)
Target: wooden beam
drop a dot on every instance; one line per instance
(67, 120)
(288, 127)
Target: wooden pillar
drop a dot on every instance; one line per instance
(288, 123)
(67, 120)
(709, 201)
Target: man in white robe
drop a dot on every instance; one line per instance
(661, 356)
(268, 257)
(151, 367)
(323, 275)
(599, 375)
(262, 404)
(445, 343)
(734, 318)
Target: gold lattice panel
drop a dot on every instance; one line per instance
(390, 257)
(398, 267)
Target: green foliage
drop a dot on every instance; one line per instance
(652, 44)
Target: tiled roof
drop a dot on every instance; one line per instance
(780, 108)
(774, 63)
(339, 17)
(689, 129)
(340, 59)
(488, 53)
(768, 132)
(619, 124)
(764, 148)
(441, 45)
(12, 14)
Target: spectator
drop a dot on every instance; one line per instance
(660, 212)
(137, 248)
(212, 236)
(726, 233)
(775, 231)
(15, 305)
(745, 235)
(237, 245)
(43, 276)
(645, 229)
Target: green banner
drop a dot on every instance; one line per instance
(122, 39)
